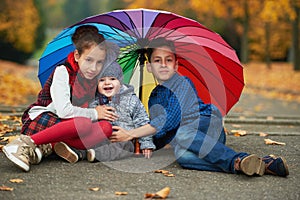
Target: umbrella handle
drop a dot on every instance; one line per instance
(137, 150)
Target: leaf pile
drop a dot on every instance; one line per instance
(15, 83)
(280, 82)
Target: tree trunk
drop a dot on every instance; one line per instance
(295, 40)
(244, 47)
(267, 52)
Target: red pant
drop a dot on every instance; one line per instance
(79, 132)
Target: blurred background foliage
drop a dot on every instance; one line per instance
(259, 30)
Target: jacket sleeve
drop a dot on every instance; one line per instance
(165, 117)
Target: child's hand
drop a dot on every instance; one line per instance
(120, 135)
(147, 153)
(106, 112)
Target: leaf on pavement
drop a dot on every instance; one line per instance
(272, 142)
(270, 118)
(5, 188)
(8, 138)
(165, 172)
(239, 133)
(95, 189)
(16, 180)
(121, 193)
(162, 194)
(261, 134)
(161, 171)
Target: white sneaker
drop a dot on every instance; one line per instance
(23, 152)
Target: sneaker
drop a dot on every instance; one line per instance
(276, 165)
(70, 154)
(22, 152)
(251, 165)
(91, 155)
(46, 149)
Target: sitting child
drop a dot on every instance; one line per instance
(132, 114)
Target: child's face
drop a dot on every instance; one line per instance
(91, 61)
(109, 86)
(163, 64)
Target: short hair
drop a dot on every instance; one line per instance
(160, 42)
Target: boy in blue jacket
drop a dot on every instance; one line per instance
(194, 129)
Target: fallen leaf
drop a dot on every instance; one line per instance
(5, 188)
(16, 180)
(121, 193)
(239, 133)
(169, 175)
(165, 172)
(242, 117)
(162, 194)
(261, 134)
(272, 142)
(270, 118)
(8, 139)
(161, 171)
(95, 189)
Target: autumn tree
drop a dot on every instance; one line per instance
(295, 35)
(19, 21)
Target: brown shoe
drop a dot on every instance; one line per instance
(251, 165)
(65, 152)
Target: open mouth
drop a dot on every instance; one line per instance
(108, 88)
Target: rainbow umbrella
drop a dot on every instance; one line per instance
(203, 55)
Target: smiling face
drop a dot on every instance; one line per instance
(163, 64)
(91, 60)
(109, 86)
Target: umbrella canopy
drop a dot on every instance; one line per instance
(203, 55)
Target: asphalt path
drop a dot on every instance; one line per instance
(57, 179)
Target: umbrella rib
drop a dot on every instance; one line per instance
(183, 44)
(218, 64)
(209, 58)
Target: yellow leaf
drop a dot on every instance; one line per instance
(270, 118)
(121, 193)
(95, 189)
(169, 175)
(16, 180)
(272, 142)
(263, 134)
(5, 188)
(239, 133)
(162, 194)
(161, 171)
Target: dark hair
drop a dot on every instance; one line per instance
(160, 42)
(85, 36)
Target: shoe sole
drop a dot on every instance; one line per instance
(251, 165)
(16, 161)
(62, 150)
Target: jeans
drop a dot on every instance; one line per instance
(201, 145)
